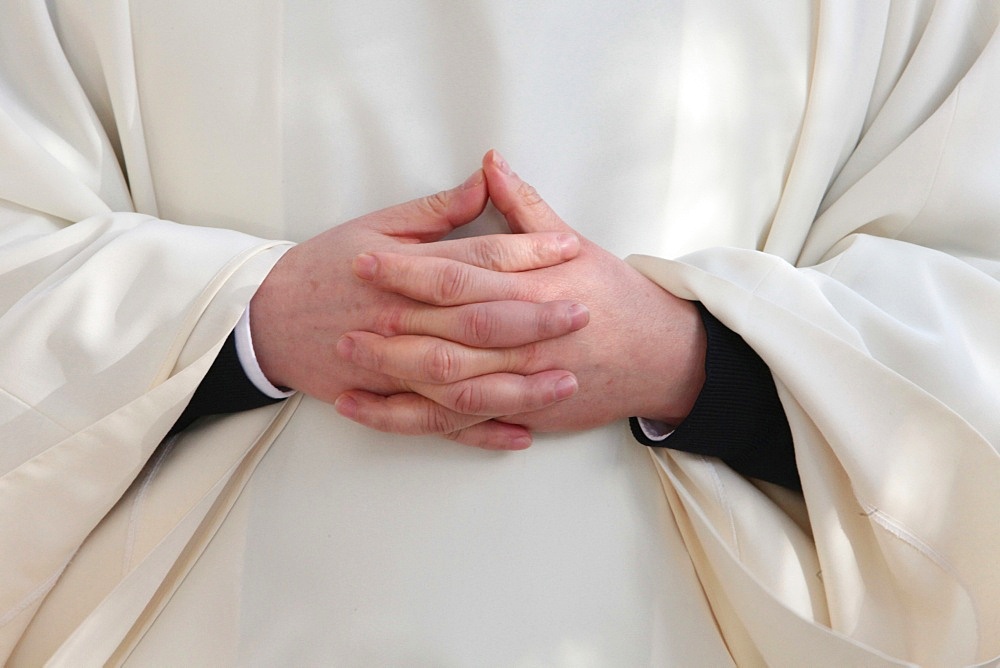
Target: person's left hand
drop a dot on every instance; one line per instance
(642, 353)
(317, 291)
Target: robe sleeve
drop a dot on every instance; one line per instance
(879, 321)
(109, 315)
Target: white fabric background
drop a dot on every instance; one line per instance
(855, 144)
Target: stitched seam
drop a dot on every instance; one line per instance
(37, 593)
(35, 410)
(901, 533)
(139, 502)
(720, 492)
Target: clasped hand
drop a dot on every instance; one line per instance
(482, 340)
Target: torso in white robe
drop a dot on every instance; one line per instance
(289, 535)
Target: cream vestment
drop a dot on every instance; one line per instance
(833, 169)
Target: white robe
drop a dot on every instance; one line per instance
(833, 172)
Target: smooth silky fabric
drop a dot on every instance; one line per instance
(828, 172)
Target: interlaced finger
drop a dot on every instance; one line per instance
(429, 359)
(498, 394)
(487, 324)
(435, 280)
(493, 435)
(410, 413)
(517, 200)
(506, 252)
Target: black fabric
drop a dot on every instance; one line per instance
(224, 389)
(738, 416)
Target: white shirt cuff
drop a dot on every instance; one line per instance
(248, 360)
(654, 429)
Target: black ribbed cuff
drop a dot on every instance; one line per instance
(737, 416)
(224, 389)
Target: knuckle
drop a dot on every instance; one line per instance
(553, 321)
(440, 363)
(490, 254)
(436, 204)
(531, 357)
(480, 325)
(390, 320)
(451, 284)
(543, 250)
(454, 435)
(468, 399)
(371, 358)
(547, 323)
(528, 195)
(437, 420)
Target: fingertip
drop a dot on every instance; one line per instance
(510, 436)
(365, 266)
(346, 406)
(501, 184)
(494, 158)
(522, 442)
(470, 199)
(518, 201)
(579, 317)
(500, 178)
(474, 181)
(474, 193)
(565, 387)
(495, 435)
(569, 245)
(345, 347)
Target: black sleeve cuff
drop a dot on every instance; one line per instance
(225, 389)
(738, 416)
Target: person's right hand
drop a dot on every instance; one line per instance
(312, 296)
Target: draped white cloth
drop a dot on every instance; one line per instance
(832, 170)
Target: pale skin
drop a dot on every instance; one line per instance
(313, 296)
(642, 353)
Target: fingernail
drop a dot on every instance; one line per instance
(345, 347)
(520, 443)
(565, 387)
(568, 244)
(474, 180)
(579, 316)
(365, 266)
(346, 406)
(500, 163)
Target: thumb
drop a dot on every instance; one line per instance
(520, 204)
(432, 217)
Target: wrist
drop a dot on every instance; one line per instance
(738, 416)
(680, 371)
(246, 354)
(267, 323)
